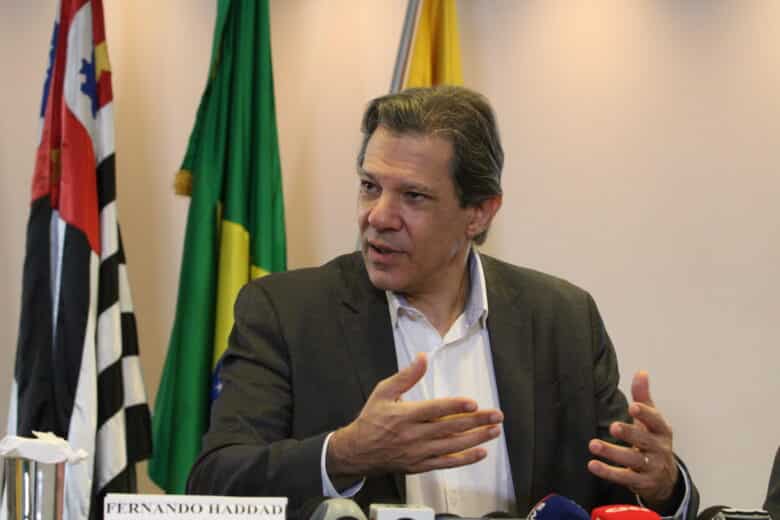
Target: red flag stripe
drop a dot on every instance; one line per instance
(105, 95)
(98, 24)
(78, 183)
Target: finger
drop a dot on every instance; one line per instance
(622, 455)
(459, 423)
(635, 436)
(622, 476)
(458, 443)
(651, 418)
(450, 460)
(399, 383)
(640, 388)
(438, 409)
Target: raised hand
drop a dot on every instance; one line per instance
(647, 466)
(391, 435)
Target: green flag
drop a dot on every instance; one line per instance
(235, 228)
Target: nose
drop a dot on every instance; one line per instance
(384, 213)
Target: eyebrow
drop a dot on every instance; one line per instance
(406, 186)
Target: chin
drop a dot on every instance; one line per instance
(384, 280)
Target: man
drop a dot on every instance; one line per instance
(420, 370)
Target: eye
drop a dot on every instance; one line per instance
(367, 186)
(415, 196)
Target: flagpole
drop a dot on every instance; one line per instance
(404, 46)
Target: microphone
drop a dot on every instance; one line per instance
(338, 509)
(400, 512)
(557, 507)
(623, 512)
(710, 512)
(731, 513)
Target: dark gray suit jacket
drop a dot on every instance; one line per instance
(309, 346)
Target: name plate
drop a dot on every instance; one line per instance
(121, 506)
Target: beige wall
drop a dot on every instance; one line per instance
(642, 147)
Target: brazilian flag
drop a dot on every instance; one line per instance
(235, 228)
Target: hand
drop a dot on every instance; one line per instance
(649, 468)
(391, 435)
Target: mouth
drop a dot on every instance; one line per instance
(381, 251)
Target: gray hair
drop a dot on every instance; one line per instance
(461, 116)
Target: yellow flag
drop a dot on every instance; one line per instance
(435, 55)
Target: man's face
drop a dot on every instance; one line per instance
(414, 234)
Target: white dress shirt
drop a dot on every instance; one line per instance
(460, 364)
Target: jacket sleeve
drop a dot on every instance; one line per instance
(249, 450)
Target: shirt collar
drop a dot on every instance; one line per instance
(476, 304)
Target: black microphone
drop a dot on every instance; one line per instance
(710, 512)
(338, 509)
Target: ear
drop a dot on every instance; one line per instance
(482, 215)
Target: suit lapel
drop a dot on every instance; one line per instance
(368, 333)
(511, 342)
(366, 319)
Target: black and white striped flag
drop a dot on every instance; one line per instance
(77, 369)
